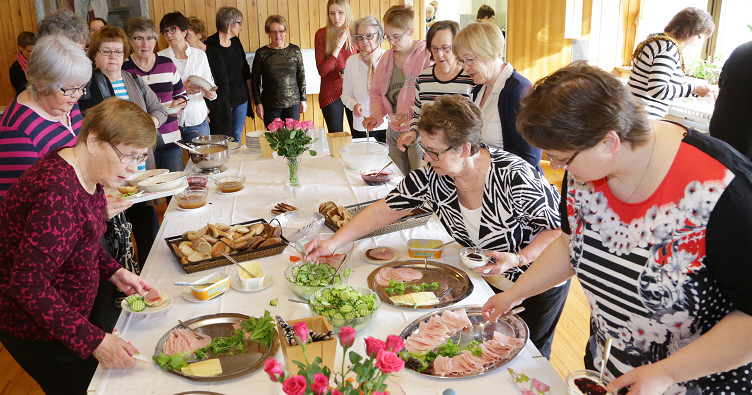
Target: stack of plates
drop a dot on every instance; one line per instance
(252, 141)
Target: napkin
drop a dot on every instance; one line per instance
(137, 354)
(529, 386)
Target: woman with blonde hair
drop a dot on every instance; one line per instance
(278, 69)
(334, 45)
(499, 88)
(393, 88)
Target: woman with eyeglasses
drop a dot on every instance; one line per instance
(333, 44)
(484, 197)
(189, 61)
(393, 89)
(229, 23)
(479, 47)
(162, 76)
(52, 262)
(278, 69)
(445, 77)
(45, 116)
(656, 226)
(658, 68)
(361, 67)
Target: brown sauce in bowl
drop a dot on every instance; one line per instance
(210, 150)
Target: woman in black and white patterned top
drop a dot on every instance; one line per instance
(658, 63)
(484, 197)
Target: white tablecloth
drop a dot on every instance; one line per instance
(323, 178)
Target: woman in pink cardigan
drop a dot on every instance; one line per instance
(393, 88)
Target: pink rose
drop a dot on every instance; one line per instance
(394, 343)
(307, 125)
(374, 346)
(276, 124)
(320, 384)
(274, 369)
(346, 336)
(295, 385)
(389, 362)
(292, 124)
(301, 330)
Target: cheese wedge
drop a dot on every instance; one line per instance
(208, 368)
(416, 299)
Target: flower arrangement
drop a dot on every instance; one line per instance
(290, 138)
(370, 373)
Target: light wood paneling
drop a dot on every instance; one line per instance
(536, 45)
(17, 16)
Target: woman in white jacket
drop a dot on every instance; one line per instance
(360, 67)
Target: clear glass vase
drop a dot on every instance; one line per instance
(293, 164)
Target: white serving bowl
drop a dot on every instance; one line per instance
(248, 282)
(362, 156)
(473, 257)
(164, 182)
(139, 176)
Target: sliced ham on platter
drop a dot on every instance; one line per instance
(180, 340)
(400, 274)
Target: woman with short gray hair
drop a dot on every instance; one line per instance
(229, 23)
(67, 24)
(58, 71)
(360, 67)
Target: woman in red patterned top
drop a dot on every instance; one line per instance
(334, 45)
(658, 227)
(51, 263)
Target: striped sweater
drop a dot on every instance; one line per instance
(166, 83)
(657, 78)
(428, 87)
(26, 137)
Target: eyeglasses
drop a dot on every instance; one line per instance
(277, 32)
(566, 164)
(396, 38)
(432, 154)
(108, 52)
(141, 40)
(466, 62)
(170, 30)
(72, 91)
(128, 159)
(239, 22)
(361, 37)
(443, 48)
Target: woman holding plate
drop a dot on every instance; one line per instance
(483, 197)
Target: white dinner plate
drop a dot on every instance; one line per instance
(188, 295)
(196, 80)
(366, 259)
(236, 285)
(149, 309)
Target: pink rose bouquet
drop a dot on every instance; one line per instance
(290, 138)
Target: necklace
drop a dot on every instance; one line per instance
(645, 172)
(477, 177)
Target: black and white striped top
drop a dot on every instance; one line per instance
(518, 203)
(428, 88)
(657, 77)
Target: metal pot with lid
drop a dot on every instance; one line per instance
(212, 139)
(211, 157)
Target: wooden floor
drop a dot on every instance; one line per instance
(567, 354)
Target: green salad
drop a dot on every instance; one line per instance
(313, 274)
(348, 303)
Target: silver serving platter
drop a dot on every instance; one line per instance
(251, 359)
(447, 276)
(510, 325)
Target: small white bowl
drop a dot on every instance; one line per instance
(139, 176)
(248, 282)
(196, 80)
(172, 110)
(473, 257)
(164, 182)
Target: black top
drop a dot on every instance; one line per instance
(283, 77)
(237, 68)
(732, 119)
(17, 77)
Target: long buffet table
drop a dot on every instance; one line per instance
(323, 178)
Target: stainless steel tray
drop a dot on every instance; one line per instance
(510, 325)
(251, 359)
(447, 276)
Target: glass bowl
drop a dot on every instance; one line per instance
(349, 313)
(374, 177)
(305, 291)
(192, 197)
(229, 184)
(473, 257)
(361, 156)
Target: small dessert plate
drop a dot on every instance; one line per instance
(366, 259)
